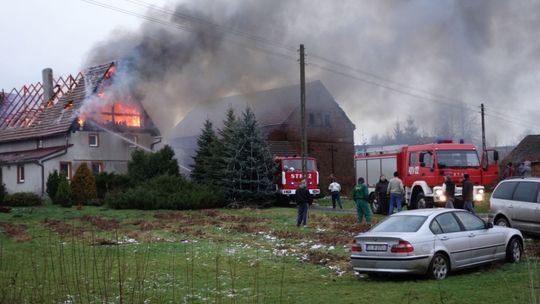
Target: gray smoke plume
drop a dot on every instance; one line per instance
(458, 53)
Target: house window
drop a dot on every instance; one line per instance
(311, 119)
(65, 169)
(93, 140)
(327, 120)
(39, 143)
(20, 174)
(97, 167)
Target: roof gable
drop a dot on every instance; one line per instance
(271, 107)
(527, 149)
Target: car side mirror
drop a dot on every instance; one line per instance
(422, 164)
(495, 155)
(489, 225)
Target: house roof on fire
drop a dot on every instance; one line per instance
(271, 107)
(24, 113)
(527, 149)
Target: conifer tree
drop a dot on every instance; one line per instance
(228, 165)
(206, 169)
(257, 164)
(63, 193)
(248, 169)
(83, 185)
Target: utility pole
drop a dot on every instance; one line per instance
(483, 129)
(303, 112)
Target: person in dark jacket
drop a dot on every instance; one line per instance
(449, 189)
(467, 193)
(382, 196)
(303, 200)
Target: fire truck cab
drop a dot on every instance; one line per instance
(422, 169)
(288, 175)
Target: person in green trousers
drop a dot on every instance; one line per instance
(360, 196)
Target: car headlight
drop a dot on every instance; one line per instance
(438, 192)
(481, 191)
(479, 197)
(442, 198)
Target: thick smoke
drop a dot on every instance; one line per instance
(471, 52)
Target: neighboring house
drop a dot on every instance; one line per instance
(330, 131)
(527, 150)
(44, 127)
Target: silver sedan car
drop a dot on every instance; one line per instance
(433, 242)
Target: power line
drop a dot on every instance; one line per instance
(193, 23)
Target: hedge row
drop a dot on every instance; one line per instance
(166, 192)
(22, 199)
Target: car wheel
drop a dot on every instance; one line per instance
(375, 206)
(514, 251)
(439, 267)
(502, 222)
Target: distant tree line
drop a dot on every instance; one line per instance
(452, 124)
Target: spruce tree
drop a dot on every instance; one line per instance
(248, 169)
(256, 160)
(63, 193)
(228, 164)
(206, 168)
(52, 184)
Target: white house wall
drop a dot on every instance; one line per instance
(32, 182)
(111, 151)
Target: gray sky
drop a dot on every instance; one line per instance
(444, 51)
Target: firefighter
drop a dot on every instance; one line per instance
(303, 199)
(360, 195)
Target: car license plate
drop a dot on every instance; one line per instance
(376, 247)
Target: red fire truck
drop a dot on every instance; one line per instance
(422, 169)
(289, 175)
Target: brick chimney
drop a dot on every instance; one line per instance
(47, 74)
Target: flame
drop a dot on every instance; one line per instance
(110, 72)
(127, 114)
(81, 121)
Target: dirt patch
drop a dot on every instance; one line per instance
(533, 249)
(62, 228)
(16, 232)
(245, 228)
(324, 258)
(103, 242)
(186, 219)
(145, 225)
(100, 222)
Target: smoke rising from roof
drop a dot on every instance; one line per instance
(472, 52)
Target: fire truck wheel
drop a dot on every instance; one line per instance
(421, 201)
(374, 203)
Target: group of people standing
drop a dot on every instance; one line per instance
(524, 170)
(389, 192)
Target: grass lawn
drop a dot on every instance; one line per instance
(98, 255)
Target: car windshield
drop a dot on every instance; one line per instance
(400, 223)
(289, 164)
(457, 159)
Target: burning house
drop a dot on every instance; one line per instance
(63, 122)
(330, 131)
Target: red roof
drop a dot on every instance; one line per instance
(28, 155)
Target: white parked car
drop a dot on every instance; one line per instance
(516, 203)
(433, 242)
